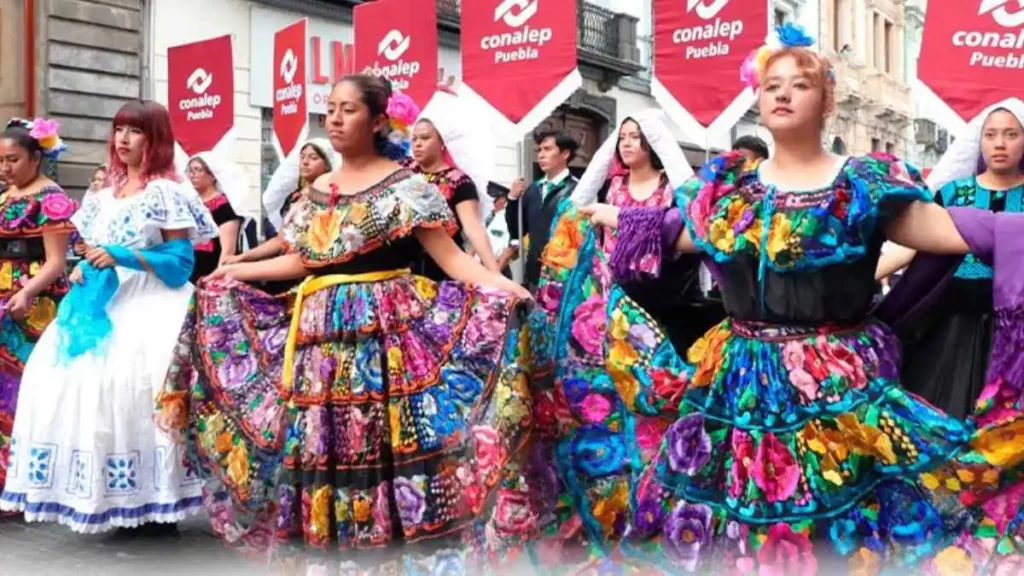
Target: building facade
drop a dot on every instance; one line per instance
(865, 40)
(926, 140)
(75, 61)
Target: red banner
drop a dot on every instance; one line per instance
(397, 39)
(973, 57)
(201, 93)
(520, 56)
(699, 46)
(291, 118)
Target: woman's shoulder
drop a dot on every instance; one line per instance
(885, 176)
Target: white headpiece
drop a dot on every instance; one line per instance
(228, 178)
(962, 160)
(654, 126)
(285, 179)
(467, 140)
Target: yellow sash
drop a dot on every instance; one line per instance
(315, 284)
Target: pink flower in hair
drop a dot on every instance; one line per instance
(403, 110)
(43, 129)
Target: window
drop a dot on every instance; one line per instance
(876, 44)
(780, 17)
(887, 49)
(890, 148)
(876, 145)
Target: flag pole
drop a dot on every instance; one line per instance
(519, 206)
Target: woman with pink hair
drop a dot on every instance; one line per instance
(85, 452)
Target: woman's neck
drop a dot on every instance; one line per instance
(643, 173)
(208, 192)
(29, 187)
(1000, 181)
(434, 166)
(797, 153)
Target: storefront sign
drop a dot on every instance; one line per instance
(200, 93)
(699, 46)
(397, 39)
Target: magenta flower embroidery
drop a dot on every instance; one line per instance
(775, 470)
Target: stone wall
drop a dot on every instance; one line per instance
(12, 77)
(90, 62)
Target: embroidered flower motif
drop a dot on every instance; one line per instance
(588, 327)
(57, 206)
(610, 509)
(775, 470)
(649, 516)
(490, 450)
(793, 358)
(866, 439)
(595, 408)
(382, 508)
(596, 452)
(831, 448)
(1000, 445)
(843, 360)
(323, 229)
(864, 563)
(742, 460)
(786, 553)
(687, 531)
(320, 512)
(722, 236)
(688, 445)
(238, 466)
(561, 250)
(953, 561)
(410, 500)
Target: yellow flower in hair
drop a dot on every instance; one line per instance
(49, 142)
(761, 60)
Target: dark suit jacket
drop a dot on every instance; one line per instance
(538, 219)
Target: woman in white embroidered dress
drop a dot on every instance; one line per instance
(85, 452)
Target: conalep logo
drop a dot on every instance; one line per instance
(392, 47)
(203, 105)
(291, 90)
(524, 42)
(711, 39)
(985, 42)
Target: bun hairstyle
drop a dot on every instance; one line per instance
(39, 136)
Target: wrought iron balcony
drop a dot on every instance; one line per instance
(607, 40)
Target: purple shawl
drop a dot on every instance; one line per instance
(998, 240)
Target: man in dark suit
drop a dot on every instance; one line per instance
(540, 200)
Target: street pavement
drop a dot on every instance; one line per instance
(52, 549)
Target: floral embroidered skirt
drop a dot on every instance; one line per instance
(604, 372)
(404, 422)
(795, 449)
(17, 338)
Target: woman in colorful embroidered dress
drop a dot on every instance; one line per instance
(795, 444)
(290, 183)
(211, 176)
(596, 430)
(85, 452)
(385, 407)
(451, 149)
(946, 352)
(35, 224)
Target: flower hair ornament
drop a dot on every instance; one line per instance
(45, 132)
(788, 35)
(402, 114)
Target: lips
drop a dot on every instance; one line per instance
(782, 110)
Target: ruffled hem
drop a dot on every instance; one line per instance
(95, 523)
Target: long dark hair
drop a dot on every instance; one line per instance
(644, 145)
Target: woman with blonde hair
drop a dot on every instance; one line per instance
(795, 446)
